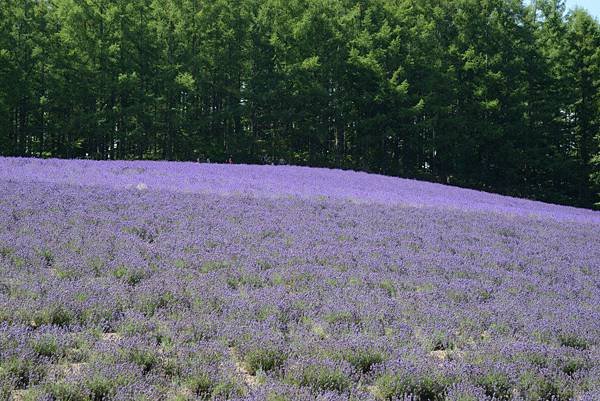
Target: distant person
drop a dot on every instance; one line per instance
(230, 160)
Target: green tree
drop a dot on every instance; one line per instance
(583, 112)
(500, 95)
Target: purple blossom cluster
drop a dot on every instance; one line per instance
(279, 182)
(213, 282)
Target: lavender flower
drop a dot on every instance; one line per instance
(286, 283)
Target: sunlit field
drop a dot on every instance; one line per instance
(186, 281)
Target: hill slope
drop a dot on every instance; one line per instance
(186, 281)
(276, 182)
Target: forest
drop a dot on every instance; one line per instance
(497, 95)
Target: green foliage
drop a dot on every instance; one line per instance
(364, 359)
(32, 394)
(573, 365)
(211, 266)
(388, 87)
(149, 304)
(67, 391)
(120, 272)
(48, 257)
(79, 350)
(431, 386)
(322, 378)
(201, 385)
(205, 387)
(277, 397)
(534, 386)
(46, 346)
(262, 359)
(389, 287)
(227, 389)
(53, 314)
(17, 371)
(101, 387)
(573, 341)
(339, 317)
(496, 384)
(144, 358)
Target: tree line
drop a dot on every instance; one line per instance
(499, 95)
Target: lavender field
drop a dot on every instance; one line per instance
(182, 281)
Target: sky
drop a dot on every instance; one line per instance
(593, 6)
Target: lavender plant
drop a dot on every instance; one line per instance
(236, 282)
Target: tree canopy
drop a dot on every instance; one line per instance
(500, 95)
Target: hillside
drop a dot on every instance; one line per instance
(181, 281)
